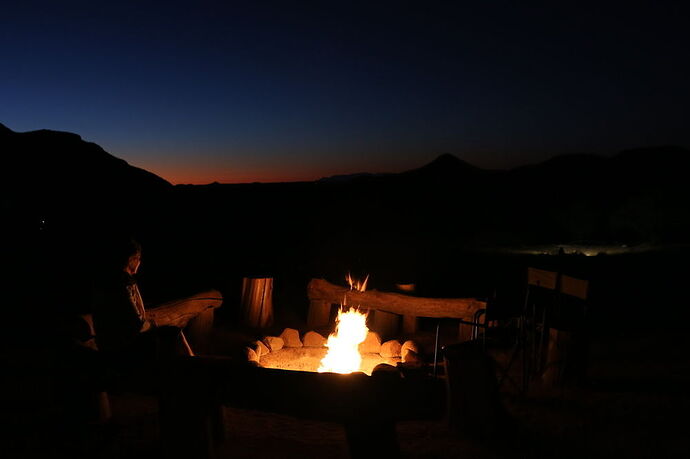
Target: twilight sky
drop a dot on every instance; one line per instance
(202, 91)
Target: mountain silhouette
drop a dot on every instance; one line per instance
(58, 177)
(61, 156)
(445, 165)
(635, 195)
(63, 198)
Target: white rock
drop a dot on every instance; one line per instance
(411, 345)
(410, 356)
(274, 343)
(251, 355)
(260, 348)
(385, 370)
(290, 338)
(371, 344)
(391, 349)
(313, 339)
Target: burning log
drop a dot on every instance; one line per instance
(322, 294)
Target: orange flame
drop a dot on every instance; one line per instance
(350, 330)
(343, 346)
(357, 285)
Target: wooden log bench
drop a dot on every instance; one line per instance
(389, 307)
(194, 314)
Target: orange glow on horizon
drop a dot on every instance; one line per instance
(196, 171)
(181, 175)
(188, 176)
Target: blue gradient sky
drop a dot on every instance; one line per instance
(198, 92)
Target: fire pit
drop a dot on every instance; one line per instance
(195, 388)
(352, 347)
(289, 352)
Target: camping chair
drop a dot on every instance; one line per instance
(567, 331)
(499, 326)
(541, 295)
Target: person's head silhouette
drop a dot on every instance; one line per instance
(127, 255)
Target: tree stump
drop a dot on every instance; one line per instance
(257, 301)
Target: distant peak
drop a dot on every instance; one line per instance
(446, 157)
(446, 164)
(449, 160)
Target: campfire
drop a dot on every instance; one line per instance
(310, 353)
(350, 330)
(343, 345)
(352, 347)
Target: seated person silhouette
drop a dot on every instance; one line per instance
(127, 335)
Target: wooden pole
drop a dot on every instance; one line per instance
(257, 301)
(319, 314)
